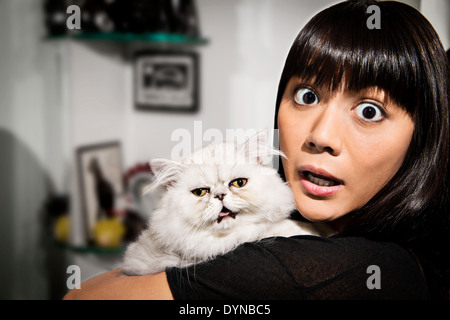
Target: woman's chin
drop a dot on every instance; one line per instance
(320, 210)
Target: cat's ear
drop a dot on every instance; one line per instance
(166, 172)
(257, 149)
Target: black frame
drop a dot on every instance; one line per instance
(175, 91)
(84, 154)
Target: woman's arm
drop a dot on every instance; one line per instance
(112, 286)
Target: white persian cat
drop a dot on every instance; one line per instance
(220, 196)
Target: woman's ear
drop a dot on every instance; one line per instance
(166, 172)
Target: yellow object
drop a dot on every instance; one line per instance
(61, 228)
(108, 232)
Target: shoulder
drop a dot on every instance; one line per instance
(342, 252)
(324, 267)
(308, 267)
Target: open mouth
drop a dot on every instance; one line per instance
(319, 183)
(226, 213)
(320, 180)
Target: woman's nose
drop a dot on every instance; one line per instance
(325, 134)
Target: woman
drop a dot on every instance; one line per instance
(363, 119)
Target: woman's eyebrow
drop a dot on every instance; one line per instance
(374, 92)
(298, 80)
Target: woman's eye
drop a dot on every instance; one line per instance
(306, 96)
(369, 112)
(238, 183)
(200, 192)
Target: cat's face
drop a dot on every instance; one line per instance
(222, 197)
(220, 188)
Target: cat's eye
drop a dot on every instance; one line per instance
(200, 192)
(239, 182)
(306, 96)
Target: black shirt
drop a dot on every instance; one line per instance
(304, 267)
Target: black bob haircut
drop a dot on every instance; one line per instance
(405, 58)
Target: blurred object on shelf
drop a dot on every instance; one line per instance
(124, 16)
(132, 219)
(61, 228)
(100, 171)
(104, 190)
(57, 205)
(140, 167)
(55, 16)
(120, 13)
(57, 220)
(134, 224)
(109, 232)
(188, 19)
(170, 15)
(95, 15)
(135, 180)
(112, 232)
(147, 16)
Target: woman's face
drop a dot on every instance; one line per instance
(342, 146)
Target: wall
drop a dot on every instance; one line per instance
(437, 12)
(27, 141)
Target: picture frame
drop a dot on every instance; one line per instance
(100, 175)
(166, 81)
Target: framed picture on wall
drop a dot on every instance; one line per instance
(166, 81)
(101, 181)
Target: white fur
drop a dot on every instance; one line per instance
(184, 229)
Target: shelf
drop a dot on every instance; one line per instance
(90, 249)
(155, 37)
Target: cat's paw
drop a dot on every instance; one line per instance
(141, 259)
(135, 267)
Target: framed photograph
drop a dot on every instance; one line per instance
(101, 181)
(166, 81)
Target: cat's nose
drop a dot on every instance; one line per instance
(220, 196)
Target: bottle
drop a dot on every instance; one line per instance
(187, 18)
(55, 17)
(148, 16)
(95, 15)
(120, 12)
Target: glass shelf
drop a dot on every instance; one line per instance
(154, 37)
(89, 249)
